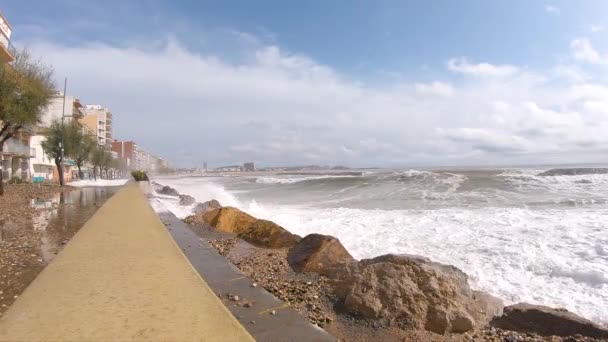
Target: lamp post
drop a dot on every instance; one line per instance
(63, 116)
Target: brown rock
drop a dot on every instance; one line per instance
(167, 190)
(207, 206)
(546, 321)
(412, 292)
(317, 253)
(186, 200)
(228, 219)
(269, 234)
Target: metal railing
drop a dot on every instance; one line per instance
(6, 42)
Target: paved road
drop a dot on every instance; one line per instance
(121, 277)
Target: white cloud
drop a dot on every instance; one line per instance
(596, 28)
(462, 65)
(584, 51)
(435, 88)
(276, 107)
(552, 9)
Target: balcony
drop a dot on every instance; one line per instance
(16, 148)
(7, 50)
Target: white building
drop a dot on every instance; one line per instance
(41, 167)
(55, 110)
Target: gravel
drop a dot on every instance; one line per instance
(310, 295)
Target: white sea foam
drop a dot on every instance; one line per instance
(295, 179)
(544, 255)
(98, 182)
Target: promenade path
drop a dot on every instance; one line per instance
(121, 277)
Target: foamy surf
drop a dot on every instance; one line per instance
(509, 231)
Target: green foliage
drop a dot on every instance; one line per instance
(72, 140)
(15, 180)
(25, 90)
(82, 146)
(139, 175)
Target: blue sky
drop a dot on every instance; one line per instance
(347, 75)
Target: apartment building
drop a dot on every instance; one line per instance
(127, 151)
(99, 120)
(7, 51)
(41, 167)
(15, 155)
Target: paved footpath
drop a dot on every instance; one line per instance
(121, 277)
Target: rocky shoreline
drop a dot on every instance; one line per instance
(390, 297)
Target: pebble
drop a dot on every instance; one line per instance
(273, 312)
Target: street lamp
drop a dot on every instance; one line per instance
(63, 116)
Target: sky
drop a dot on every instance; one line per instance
(358, 83)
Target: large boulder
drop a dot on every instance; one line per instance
(317, 253)
(167, 190)
(546, 321)
(228, 219)
(186, 200)
(413, 292)
(268, 234)
(206, 206)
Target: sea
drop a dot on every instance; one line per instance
(519, 236)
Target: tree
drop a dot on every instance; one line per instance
(82, 148)
(52, 144)
(25, 89)
(99, 160)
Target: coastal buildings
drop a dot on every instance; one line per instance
(249, 167)
(99, 120)
(229, 168)
(127, 151)
(137, 159)
(246, 167)
(7, 51)
(41, 167)
(15, 154)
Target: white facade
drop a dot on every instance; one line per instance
(40, 164)
(54, 110)
(5, 32)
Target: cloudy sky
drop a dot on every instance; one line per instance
(361, 83)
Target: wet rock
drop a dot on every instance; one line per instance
(204, 207)
(546, 321)
(186, 200)
(226, 219)
(317, 253)
(268, 234)
(412, 292)
(167, 190)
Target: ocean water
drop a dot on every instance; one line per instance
(519, 236)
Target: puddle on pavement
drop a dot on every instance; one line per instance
(33, 240)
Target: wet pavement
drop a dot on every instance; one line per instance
(32, 237)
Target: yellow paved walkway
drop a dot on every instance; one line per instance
(122, 277)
